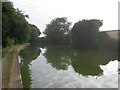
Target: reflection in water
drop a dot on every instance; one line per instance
(58, 57)
(58, 66)
(83, 62)
(27, 55)
(87, 62)
(119, 74)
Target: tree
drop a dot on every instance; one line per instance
(34, 33)
(57, 31)
(0, 24)
(84, 33)
(15, 27)
(20, 27)
(7, 12)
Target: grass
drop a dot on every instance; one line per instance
(0, 53)
(7, 72)
(5, 50)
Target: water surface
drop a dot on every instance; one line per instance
(64, 67)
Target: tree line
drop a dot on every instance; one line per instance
(15, 28)
(84, 34)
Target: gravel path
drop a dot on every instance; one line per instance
(15, 75)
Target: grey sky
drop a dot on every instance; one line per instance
(41, 12)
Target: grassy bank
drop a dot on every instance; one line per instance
(0, 53)
(9, 56)
(5, 50)
(7, 71)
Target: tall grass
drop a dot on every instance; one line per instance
(7, 72)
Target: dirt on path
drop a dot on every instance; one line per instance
(15, 75)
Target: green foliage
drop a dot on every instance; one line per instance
(10, 41)
(84, 32)
(5, 50)
(57, 30)
(7, 72)
(0, 24)
(34, 33)
(15, 27)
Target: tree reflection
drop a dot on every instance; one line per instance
(27, 55)
(57, 57)
(87, 62)
(83, 62)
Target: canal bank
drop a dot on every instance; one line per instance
(11, 69)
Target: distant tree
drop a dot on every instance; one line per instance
(84, 33)
(57, 31)
(34, 33)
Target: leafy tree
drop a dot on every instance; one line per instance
(15, 27)
(57, 31)
(0, 24)
(7, 12)
(20, 27)
(34, 33)
(84, 32)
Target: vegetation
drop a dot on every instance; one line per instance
(85, 34)
(34, 33)
(0, 33)
(7, 72)
(5, 50)
(16, 29)
(57, 32)
(0, 52)
(27, 55)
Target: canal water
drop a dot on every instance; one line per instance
(64, 67)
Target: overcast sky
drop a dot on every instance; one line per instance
(41, 12)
